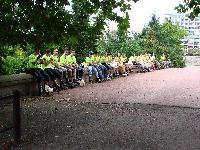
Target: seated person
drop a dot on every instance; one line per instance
(150, 64)
(125, 59)
(34, 68)
(163, 61)
(130, 64)
(50, 69)
(78, 70)
(55, 60)
(102, 70)
(167, 63)
(106, 60)
(131, 59)
(120, 62)
(66, 62)
(144, 63)
(89, 64)
(157, 65)
(137, 59)
(114, 66)
(153, 61)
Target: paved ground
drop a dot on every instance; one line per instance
(152, 111)
(174, 87)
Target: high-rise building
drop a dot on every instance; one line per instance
(192, 26)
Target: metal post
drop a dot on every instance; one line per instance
(17, 116)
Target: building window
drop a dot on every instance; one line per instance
(196, 19)
(177, 22)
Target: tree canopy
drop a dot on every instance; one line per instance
(75, 23)
(46, 21)
(191, 6)
(155, 38)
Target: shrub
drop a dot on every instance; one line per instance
(15, 62)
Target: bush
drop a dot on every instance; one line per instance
(177, 59)
(15, 62)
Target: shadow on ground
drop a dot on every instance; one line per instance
(65, 124)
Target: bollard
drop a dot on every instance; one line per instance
(17, 116)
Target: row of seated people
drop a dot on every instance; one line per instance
(51, 67)
(165, 63)
(105, 67)
(146, 61)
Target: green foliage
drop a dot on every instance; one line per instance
(192, 6)
(164, 39)
(120, 41)
(44, 22)
(177, 58)
(15, 62)
(48, 24)
(173, 35)
(155, 38)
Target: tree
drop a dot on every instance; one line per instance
(190, 5)
(172, 36)
(155, 38)
(164, 39)
(150, 36)
(47, 21)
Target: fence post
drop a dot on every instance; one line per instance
(17, 116)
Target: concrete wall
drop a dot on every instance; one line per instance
(21, 82)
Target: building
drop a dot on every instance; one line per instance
(192, 41)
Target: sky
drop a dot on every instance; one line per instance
(141, 12)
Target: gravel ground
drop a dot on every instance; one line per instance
(152, 111)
